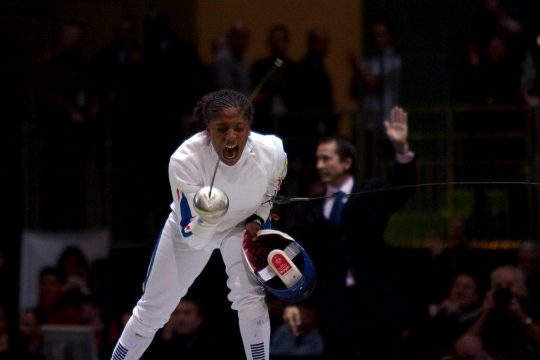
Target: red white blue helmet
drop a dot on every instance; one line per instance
(279, 264)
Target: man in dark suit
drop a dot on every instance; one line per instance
(356, 297)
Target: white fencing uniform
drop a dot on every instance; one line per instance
(186, 242)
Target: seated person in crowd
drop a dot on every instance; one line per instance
(444, 323)
(308, 344)
(509, 321)
(185, 336)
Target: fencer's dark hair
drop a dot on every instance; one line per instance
(211, 105)
(344, 148)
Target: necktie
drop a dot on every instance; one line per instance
(337, 207)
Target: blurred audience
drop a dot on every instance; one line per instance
(186, 335)
(435, 332)
(492, 75)
(528, 263)
(230, 69)
(49, 292)
(314, 104)
(272, 103)
(29, 340)
(530, 78)
(104, 329)
(307, 344)
(376, 87)
(508, 322)
(174, 78)
(62, 289)
(66, 109)
(312, 109)
(6, 338)
(495, 17)
(469, 347)
(117, 72)
(275, 311)
(376, 81)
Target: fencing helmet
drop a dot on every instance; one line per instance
(279, 264)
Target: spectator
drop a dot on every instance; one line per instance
(117, 72)
(73, 265)
(437, 330)
(528, 262)
(49, 291)
(93, 316)
(376, 87)
(367, 298)
(63, 289)
(275, 311)
(469, 347)
(29, 344)
(273, 100)
(530, 81)
(312, 108)
(10, 283)
(66, 111)
(313, 104)
(491, 76)
(174, 79)
(4, 332)
(495, 54)
(186, 335)
(230, 70)
(508, 322)
(530, 78)
(495, 17)
(376, 82)
(308, 344)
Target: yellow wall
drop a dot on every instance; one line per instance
(341, 18)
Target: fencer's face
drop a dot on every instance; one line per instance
(229, 135)
(332, 170)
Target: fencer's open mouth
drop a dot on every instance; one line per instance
(230, 152)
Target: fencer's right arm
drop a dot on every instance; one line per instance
(196, 229)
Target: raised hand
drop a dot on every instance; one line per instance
(397, 129)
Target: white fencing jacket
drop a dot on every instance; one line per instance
(250, 184)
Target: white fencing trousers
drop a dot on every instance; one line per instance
(173, 269)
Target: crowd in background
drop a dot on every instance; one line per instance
(455, 309)
(106, 125)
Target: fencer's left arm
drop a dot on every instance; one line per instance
(277, 175)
